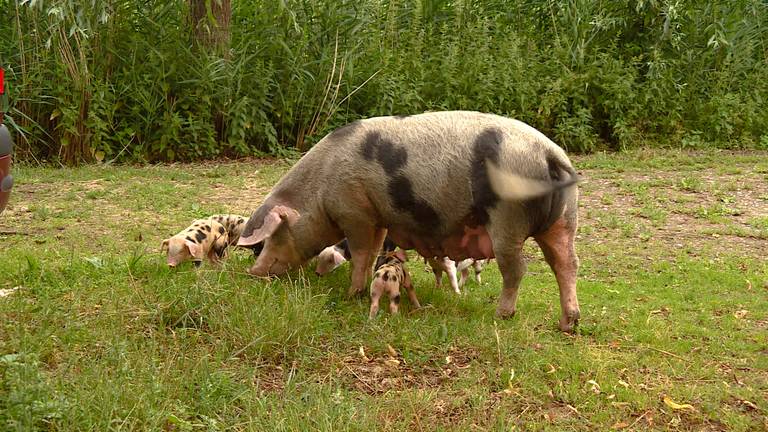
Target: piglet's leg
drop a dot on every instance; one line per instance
(438, 277)
(408, 285)
(437, 270)
(478, 266)
(394, 299)
(364, 242)
(463, 273)
(376, 290)
(450, 268)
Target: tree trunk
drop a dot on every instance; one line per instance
(210, 24)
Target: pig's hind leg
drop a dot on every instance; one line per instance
(557, 243)
(512, 267)
(508, 242)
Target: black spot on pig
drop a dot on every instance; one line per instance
(256, 220)
(369, 149)
(401, 192)
(545, 210)
(385, 276)
(207, 228)
(393, 159)
(486, 147)
(190, 239)
(396, 299)
(200, 236)
(221, 230)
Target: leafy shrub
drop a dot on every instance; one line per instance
(124, 81)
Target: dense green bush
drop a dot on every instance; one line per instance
(122, 80)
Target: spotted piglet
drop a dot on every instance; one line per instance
(447, 265)
(387, 280)
(462, 268)
(234, 224)
(205, 238)
(332, 257)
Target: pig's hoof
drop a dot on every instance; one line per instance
(505, 313)
(569, 321)
(352, 293)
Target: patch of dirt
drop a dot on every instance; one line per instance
(243, 201)
(270, 378)
(380, 374)
(615, 204)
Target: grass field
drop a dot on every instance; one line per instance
(97, 334)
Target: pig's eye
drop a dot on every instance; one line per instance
(277, 267)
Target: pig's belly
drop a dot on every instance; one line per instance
(468, 242)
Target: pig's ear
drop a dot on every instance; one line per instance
(272, 221)
(401, 255)
(164, 246)
(338, 259)
(195, 249)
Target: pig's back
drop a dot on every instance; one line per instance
(427, 172)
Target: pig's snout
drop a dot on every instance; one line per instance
(263, 270)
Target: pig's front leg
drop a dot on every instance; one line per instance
(364, 245)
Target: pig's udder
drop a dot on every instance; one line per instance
(470, 242)
(477, 241)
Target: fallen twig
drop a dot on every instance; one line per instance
(663, 352)
(3, 232)
(638, 419)
(360, 379)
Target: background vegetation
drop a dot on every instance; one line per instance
(126, 80)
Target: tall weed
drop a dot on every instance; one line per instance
(124, 81)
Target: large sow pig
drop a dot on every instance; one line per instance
(457, 184)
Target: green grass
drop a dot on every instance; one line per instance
(100, 335)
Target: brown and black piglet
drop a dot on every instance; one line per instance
(205, 238)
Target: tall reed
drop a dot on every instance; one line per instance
(124, 81)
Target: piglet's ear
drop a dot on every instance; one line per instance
(271, 222)
(195, 249)
(401, 255)
(338, 259)
(164, 246)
